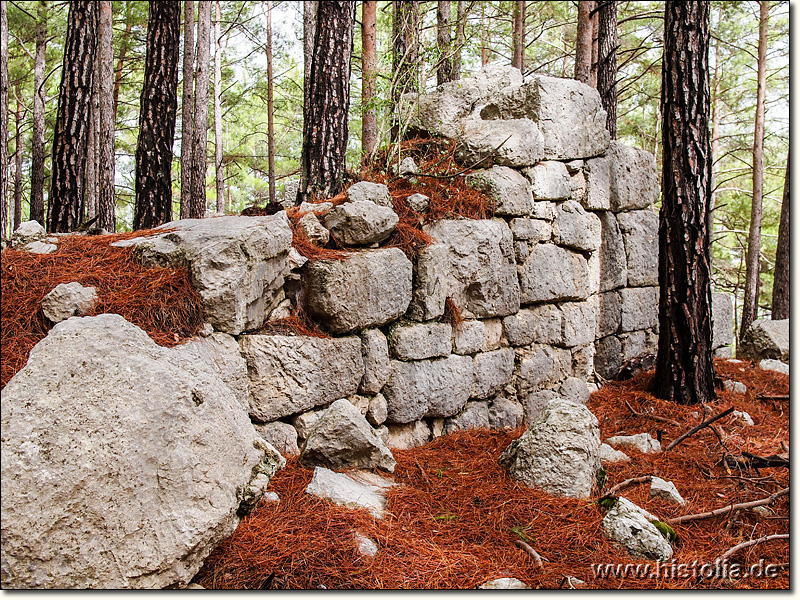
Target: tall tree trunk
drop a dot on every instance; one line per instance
(197, 201)
(607, 62)
(444, 70)
(716, 123)
(158, 109)
(270, 108)
(461, 19)
(309, 29)
(753, 257)
(369, 113)
(18, 160)
(37, 146)
(4, 225)
(219, 173)
(125, 41)
(72, 120)
(684, 365)
(187, 107)
(405, 57)
(781, 281)
(89, 208)
(325, 129)
(595, 45)
(484, 41)
(106, 199)
(583, 42)
(518, 36)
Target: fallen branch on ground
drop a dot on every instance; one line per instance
(653, 417)
(628, 482)
(731, 508)
(537, 560)
(743, 545)
(773, 397)
(697, 428)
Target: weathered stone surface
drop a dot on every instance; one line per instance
(375, 352)
(608, 356)
(318, 208)
(598, 185)
(541, 365)
(369, 289)
(408, 435)
(351, 490)
(510, 142)
(407, 168)
(544, 210)
(549, 180)
(504, 583)
(360, 402)
(124, 463)
(580, 323)
(551, 274)
(361, 223)
(505, 414)
(666, 490)
(534, 403)
(507, 188)
(222, 350)
(494, 334)
(639, 308)
(365, 545)
(609, 313)
(765, 339)
(290, 189)
(294, 261)
(315, 232)
(734, 386)
(28, 231)
(583, 362)
(721, 319)
(633, 343)
(417, 341)
(291, 374)
(743, 416)
(469, 337)
(771, 364)
(575, 228)
(377, 411)
(475, 415)
(377, 193)
(609, 455)
(640, 231)
(578, 188)
(282, 436)
(38, 247)
(520, 328)
(236, 264)
(559, 452)
(643, 442)
(473, 264)
(574, 390)
(634, 180)
(613, 261)
(418, 202)
(521, 251)
(534, 230)
(68, 300)
(304, 422)
(493, 371)
(633, 528)
(433, 388)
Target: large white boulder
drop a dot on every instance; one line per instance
(68, 300)
(29, 231)
(632, 527)
(124, 463)
(356, 490)
(765, 339)
(361, 223)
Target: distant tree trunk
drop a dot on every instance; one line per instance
(444, 70)
(219, 172)
(781, 281)
(484, 42)
(369, 113)
(187, 108)
(18, 160)
(325, 129)
(106, 201)
(716, 123)
(607, 62)
(72, 120)
(4, 225)
(684, 365)
(461, 18)
(583, 42)
(125, 40)
(753, 256)
(197, 201)
(405, 58)
(518, 36)
(270, 108)
(89, 206)
(158, 108)
(309, 29)
(37, 146)
(595, 45)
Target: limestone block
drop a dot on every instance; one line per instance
(315, 232)
(469, 337)
(377, 410)
(543, 209)
(634, 179)
(533, 404)
(417, 341)
(507, 188)
(574, 390)
(608, 356)
(633, 344)
(521, 252)
(418, 202)
(549, 180)
(494, 334)
(598, 184)
(351, 490)
(404, 436)
(666, 490)
(609, 314)
(722, 319)
(552, 273)
(643, 442)
(67, 300)
(539, 366)
(505, 414)
(361, 223)
(609, 455)
(765, 339)
(613, 261)
(377, 193)
(632, 527)
(640, 231)
(375, 352)
(583, 361)
(580, 323)
(493, 371)
(474, 416)
(519, 328)
(639, 308)
(534, 230)
(27, 232)
(510, 142)
(575, 228)
(39, 247)
(282, 436)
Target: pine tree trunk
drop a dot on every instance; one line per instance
(37, 146)
(583, 42)
(518, 36)
(18, 160)
(219, 172)
(325, 129)
(106, 198)
(716, 123)
(125, 40)
(461, 19)
(270, 108)
(158, 108)
(444, 70)
(781, 281)
(89, 208)
(406, 48)
(369, 115)
(72, 119)
(607, 62)
(595, 45)
(309, 29)
(684, 365)
(187, 107)
(4, 225)
(753, 257)
(484, 41)
(197, 200)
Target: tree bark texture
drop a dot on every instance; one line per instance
(18, 160)
(219, 173)
(197, 199)
(753, 256)
(106, 200)
(158, 108)
(4, 225)
(716, 123)
(444, 69)
(607, 44)
(309, 28)
(369, 114)
(72, 119)
(684, 364)
(37, 145)
(518, 36)
(325, 128)
(270, 108)
(595, 45)
(187, 107)
(405, 33)
(781, 281)
(125, 40)
(461, 20)
(484, 41)
(89, 206)
(583, 42)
